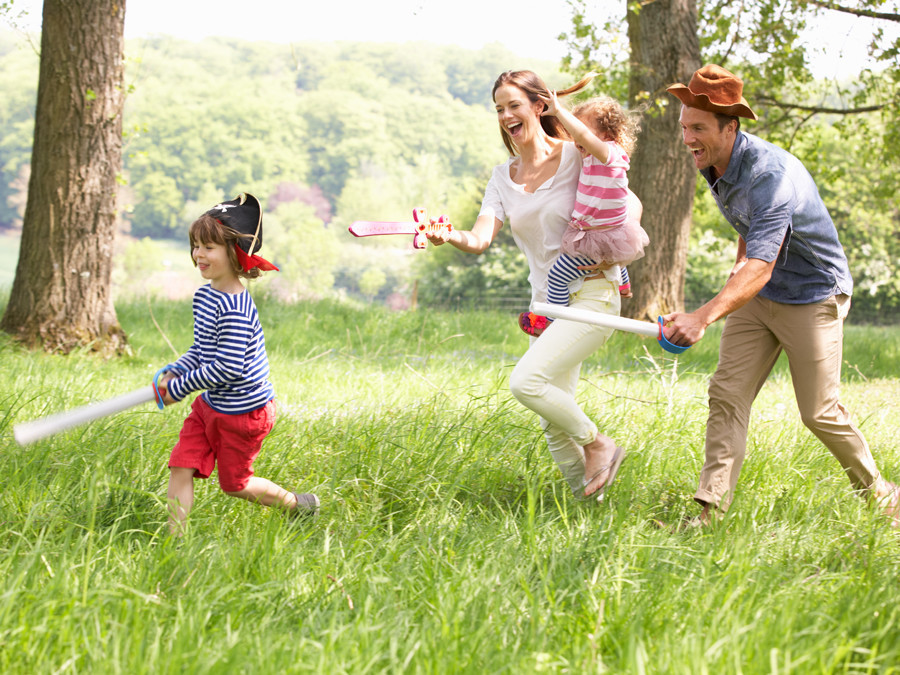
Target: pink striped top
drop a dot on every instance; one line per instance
(601, 200)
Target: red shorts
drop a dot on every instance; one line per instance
(231, 441)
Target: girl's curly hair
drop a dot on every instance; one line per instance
(605, 116)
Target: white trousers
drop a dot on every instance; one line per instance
(545, 378)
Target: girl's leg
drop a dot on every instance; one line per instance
(180, 497)
(562, 273)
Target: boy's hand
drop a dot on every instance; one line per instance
(164, 389)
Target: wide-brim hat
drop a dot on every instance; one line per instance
(715, 90)
(244, 215)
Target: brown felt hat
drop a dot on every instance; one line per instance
(715, 90)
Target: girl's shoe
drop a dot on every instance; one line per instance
(533, 324)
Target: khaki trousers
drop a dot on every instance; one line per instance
(753, 338)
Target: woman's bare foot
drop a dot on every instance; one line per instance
(599, 457)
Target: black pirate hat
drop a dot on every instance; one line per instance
(244, 215)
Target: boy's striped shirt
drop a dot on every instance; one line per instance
(228, 358)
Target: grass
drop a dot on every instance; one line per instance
(448, 542)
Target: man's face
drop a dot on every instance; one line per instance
(710, 146)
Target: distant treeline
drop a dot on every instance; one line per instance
(327, 133)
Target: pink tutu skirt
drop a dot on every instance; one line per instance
(619, 244)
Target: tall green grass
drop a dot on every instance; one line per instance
(447, 541)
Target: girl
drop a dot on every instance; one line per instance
(599, 233)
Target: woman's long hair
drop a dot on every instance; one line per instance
(534, 89)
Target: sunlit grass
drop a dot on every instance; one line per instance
(447, 540)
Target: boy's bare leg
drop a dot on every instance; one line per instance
(180, 498)
(267, 493)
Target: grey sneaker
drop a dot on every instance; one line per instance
(307, 505)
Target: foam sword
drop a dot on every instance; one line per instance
(418, 228)
(35, 430)
(622, 323)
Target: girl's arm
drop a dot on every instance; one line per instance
(579, 131)
(475, 240)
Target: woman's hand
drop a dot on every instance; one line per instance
(439, 236)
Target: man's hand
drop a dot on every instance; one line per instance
(684, 329)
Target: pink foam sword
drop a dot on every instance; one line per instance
(418, 228)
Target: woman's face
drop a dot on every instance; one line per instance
(519, 118)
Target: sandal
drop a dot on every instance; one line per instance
(612, 467)
(533, 324)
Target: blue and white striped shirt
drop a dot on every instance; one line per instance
(228, 358)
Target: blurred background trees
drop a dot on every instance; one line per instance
(327, 133)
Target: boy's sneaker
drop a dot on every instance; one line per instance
(307, 505)
(533, 324)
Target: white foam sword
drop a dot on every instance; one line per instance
(609, 321)
(35, 430)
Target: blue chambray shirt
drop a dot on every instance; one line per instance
(770, 198)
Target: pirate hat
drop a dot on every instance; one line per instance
(715, 90)
(244, 215)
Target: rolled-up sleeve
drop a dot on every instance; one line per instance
(772, 202)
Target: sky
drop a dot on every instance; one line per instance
(467, 23)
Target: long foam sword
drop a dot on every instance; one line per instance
(29, 432)
(418, 227)
(610, 321)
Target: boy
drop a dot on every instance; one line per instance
(229, 421)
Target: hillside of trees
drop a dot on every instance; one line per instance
(325, 134)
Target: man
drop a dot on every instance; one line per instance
(789, 290)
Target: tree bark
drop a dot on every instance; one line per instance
(664, 50)
(61, 296)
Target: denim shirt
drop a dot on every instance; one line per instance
(770, 198)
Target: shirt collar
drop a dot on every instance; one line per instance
(731, 173)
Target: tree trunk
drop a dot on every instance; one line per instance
(664, 50)
(61, 296)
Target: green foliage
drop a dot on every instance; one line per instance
(18, 84)
(304, 249)
(447, 540)
(372, 281)
(854, 157)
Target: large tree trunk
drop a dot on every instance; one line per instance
(61, 296)
(664, 50)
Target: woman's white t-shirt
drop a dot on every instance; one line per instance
(537, 220)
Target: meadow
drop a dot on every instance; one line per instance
(447, 542)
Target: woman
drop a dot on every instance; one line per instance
(535, 190)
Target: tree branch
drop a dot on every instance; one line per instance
(769, 100)
(828, 4)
